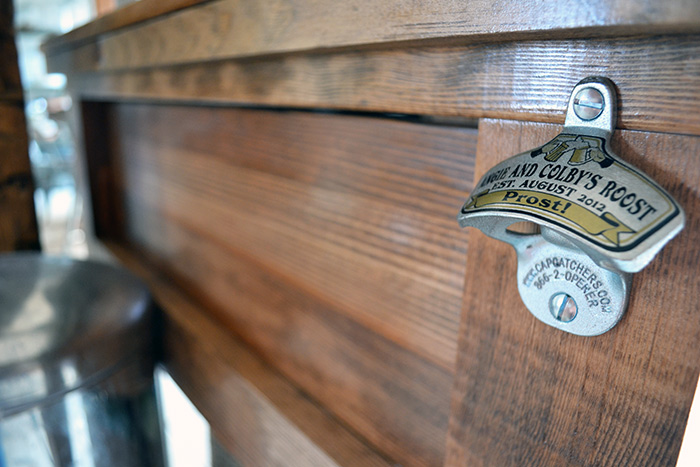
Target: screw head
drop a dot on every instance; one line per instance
(588, 104)
(563, 307)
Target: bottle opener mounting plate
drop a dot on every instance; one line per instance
(600, 218)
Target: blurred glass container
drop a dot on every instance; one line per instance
(76, 365)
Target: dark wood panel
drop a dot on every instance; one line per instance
(18, 226)
(12, 122)
(529, 394)
(357, 211)
(241, 28)
(10, 82)
(105, 177)
(518, 80)
(398, 401)
(327, 242)
(261, 417)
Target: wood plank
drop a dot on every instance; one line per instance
(305, 193)
(104, 176)
(396, 400)
(126, 16)
(327, 242)
(18, 226)
(10, 82)
(523, 80)
(526, 393)
(243, 28)
(260, 416)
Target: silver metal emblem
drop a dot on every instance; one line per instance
(599, 218)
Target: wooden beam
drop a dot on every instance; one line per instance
(524, 80)
(244, 28)
(526, 393)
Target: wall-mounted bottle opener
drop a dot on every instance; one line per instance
(600, 219)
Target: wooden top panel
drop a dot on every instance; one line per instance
(244, 28)
(513, 60)
(658, 79)
(528, 394)
(129, 15)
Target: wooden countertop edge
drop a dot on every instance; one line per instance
(226, 29)
(127, 16)
(483, 81)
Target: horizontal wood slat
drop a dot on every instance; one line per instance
(126, 16)
(261, 418)
(328, 242)
(523, 80)
(527, 393)
(398, 401)
(242, 28)
(304, 194)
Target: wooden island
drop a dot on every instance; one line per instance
(286, 175)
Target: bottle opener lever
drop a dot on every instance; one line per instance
(599, 218)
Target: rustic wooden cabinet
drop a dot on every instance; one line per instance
(286, 175)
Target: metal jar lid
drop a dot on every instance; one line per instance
(66, 324)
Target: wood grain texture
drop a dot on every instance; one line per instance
(659, 78)
(127, 16)
(18, 226)
(326, 241)
(527, 394)
(10, 82)
(105, 178)
(259, 416)
(396, 400)
(243, 28)
(305, 193)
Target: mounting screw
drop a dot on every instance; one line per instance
(588, 104)
(563, 307)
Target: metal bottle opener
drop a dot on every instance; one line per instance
(600, 219)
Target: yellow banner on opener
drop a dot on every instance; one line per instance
(606, 225)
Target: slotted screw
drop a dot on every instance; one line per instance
(588, 104)
(563, 307)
